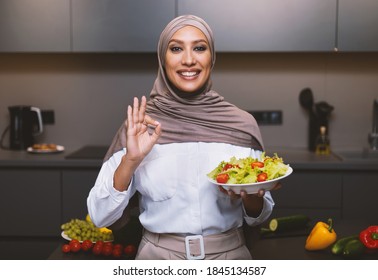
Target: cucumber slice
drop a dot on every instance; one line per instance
(289, 223)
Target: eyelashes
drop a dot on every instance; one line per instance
(176, 49)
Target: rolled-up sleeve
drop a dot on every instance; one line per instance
(265, 212)
(105, 203)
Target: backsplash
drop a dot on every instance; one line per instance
(90, 92)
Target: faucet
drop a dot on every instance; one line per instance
(373, 136)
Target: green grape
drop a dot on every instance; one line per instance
(83, 229)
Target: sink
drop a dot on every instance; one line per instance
(358, 155)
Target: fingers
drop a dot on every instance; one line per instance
(229, 193)
(277, 186)
(142, 109)
(150, 121)
(129, 119)
(135, 114)
(138, 121)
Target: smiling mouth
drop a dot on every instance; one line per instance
(189, 74)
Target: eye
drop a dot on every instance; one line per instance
(200, 48)
(175, 49)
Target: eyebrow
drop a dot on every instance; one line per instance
(182, 42)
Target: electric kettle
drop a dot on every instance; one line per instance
(25, 123)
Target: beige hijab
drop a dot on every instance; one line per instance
(193, 117)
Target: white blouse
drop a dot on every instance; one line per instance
(176, 196)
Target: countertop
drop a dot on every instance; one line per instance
(12, 158)
(299, 159)
(277, 248)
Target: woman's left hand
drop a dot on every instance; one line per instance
(253, 203)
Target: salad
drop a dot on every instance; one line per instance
(249, 170)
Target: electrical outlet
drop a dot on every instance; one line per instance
(48, 116)
(267, 117)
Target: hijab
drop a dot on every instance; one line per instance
(203, 116)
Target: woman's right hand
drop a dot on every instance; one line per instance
(138, 140)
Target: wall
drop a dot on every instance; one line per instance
(90, 92)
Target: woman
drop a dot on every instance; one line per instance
(166, 147)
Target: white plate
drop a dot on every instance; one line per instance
(65, 236)
(42, 151)
(253, 187)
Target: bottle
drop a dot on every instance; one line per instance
(322, 142)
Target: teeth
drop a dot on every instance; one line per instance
(188, 74)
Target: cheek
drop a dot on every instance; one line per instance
(169, 67)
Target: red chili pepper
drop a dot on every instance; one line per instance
(369, 237)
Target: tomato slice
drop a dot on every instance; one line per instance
(222, 178)
(227, 166)
(258, 164)
(262, 177)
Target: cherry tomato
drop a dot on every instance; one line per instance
(99, 242)
(73, 241)
(222, 178)
(118, 246)
(86, 245)
(66, 248)
(107, 250)
(130, 250)
(262, 177)
(96, 250)
(258, 164)
(117, 252)
(75, 247)
(109, 244)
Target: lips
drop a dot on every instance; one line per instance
(189, 74)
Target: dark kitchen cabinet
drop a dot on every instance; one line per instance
(35, 26)
(30, 202)
(357, 25)
(76, 184)
(360, 196)
(313, 193)
(119, 26)
(270, 25)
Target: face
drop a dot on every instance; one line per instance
(188, 59)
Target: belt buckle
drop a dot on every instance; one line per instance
(190, 256)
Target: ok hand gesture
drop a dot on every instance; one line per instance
(138, 140)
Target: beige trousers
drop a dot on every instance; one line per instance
(168, 247)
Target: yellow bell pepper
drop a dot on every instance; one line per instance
(321, 236)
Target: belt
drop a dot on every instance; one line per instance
(197, 246)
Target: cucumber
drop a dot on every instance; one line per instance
(354, 249)
(289, 223)
(338, 246)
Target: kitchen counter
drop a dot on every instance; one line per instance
(320, 186)
(11, 158)
(299, 159)
(278, 248)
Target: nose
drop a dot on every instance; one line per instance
(188, 58)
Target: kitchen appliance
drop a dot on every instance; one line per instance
(25, 123)
(319, 114)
